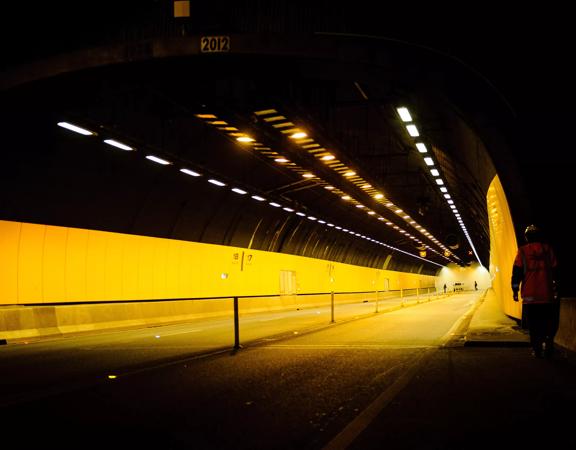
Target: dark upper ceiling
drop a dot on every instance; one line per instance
(147, 83)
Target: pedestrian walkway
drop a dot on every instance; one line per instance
(491, 327)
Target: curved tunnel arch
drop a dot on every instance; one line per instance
(213, 216)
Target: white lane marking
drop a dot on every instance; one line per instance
(366, 417)
(347, 346)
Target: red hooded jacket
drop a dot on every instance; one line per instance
(534, 270)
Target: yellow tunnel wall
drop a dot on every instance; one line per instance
(51, 264)
(503, 247)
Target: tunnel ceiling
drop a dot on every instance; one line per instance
(356, 182)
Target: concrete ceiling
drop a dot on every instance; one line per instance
(144, 81)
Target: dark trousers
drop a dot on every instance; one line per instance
(542, 322)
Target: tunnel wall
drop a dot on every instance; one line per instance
(503, 248)
(51, 264)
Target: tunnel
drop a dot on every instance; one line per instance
(188, 161)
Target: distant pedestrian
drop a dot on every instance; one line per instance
(475, 286)
(534, 273)
(444, 287)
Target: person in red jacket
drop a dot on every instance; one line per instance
(534, 274)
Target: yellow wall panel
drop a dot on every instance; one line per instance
(9, 245)
(130, 268)
(159, 263)
(145, 269)
(76, 251)
(187, 277)
(96, 265)
(88, 265)
(503, 247)
(113, 266)
(54, 264)
(172, 269)
(30, 255)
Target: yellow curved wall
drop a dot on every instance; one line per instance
(50, 264)
(503, 247)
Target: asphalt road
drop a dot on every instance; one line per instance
(382, 381)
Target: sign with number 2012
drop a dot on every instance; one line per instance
(215, 44)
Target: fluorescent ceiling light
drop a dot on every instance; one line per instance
(244, 139)
(190, 172)
(275, 205)
(216, 182)
(257, 197)
(421, 147)
(75, 128)
(117, 144)
(312, 218)
(301, 214)
(308, 175)
(288, 209)
(404, 114)
(299, 135)
(350, 174)
(379, 196)
(439, 181)
(328, 158)
(412, 130)
(329, 187)
(158, 160)
(443, 189)
(434, 172)
(429, 161)
(239, 191)
(281, 160)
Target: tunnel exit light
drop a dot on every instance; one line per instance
(76, 128)
(421, 147)
(404, 114)
(158, 160)
(117, 144)
(190, 172)
(412, 130)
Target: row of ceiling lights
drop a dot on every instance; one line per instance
(285, 126)
(414, 133)
(237, 190)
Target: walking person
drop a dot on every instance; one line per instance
(534, 274)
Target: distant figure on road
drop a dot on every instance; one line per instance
(444, 287)
(475, 286)
(534, 273)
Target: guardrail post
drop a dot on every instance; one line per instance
(332, 306)
(236, 325)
